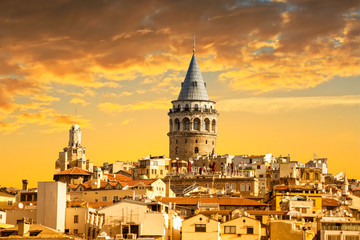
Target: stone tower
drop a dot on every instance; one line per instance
(74, 154)
(193, 118)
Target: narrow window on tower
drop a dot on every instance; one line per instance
(176, 150)
(196, 107)
(196, 150)
(196, 141)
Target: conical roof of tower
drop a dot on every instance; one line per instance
(193, 87)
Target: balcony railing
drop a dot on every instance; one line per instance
(207, 110)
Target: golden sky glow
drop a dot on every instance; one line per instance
(285, 75)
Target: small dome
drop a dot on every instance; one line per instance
(75, 127)
(143, 177)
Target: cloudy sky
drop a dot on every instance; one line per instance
(284, 74)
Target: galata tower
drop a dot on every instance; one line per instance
(193, 118)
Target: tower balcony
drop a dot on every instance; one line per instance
(199, 110)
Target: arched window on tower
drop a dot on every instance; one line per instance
(205, 108)
(196, 150)
(177, 124)
(196, 107)
(196, 124)
(187, 107)
(176, 150)
(186, 124)
(316, 176)
(213, 125)
(178, 108)
(307, 176)
(206, 125)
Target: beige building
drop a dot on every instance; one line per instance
(26, 230)
(83, 222)
(200, 227)
(245, 228)
(151, 167)
(230, 184)
(133, 219)
(13, 215)
(106, 192)
(51, 205)
(193, 118)
(292, 230)
(338, 228)
(6, 200)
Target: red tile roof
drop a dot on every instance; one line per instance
(221, 212)
(330, 202)
(74, 171)
(131, 183)
(221, 201)
(118, 177)
(265, 212)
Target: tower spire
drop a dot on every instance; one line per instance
(194, 45)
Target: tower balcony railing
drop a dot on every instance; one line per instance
(206, 110)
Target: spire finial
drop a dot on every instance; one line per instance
(194, 45)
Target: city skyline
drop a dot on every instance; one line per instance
(285, 82)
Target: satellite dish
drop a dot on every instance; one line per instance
(21, 205)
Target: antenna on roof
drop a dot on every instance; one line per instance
(194, 45)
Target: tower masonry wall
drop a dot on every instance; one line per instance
(183, 146)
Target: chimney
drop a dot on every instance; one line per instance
(23, 227)
(25, 184)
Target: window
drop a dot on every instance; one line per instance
(197, 124)
(242, 187)
(10, 203)
(176, 150)
(233, 186)
(187, 107)
(196, 107)
(316, 176)
(249, 230)
(248, 187)
(161, 172)
(229, 229)
(303, 210)
(76, 231)
(307, 176)
(187, 125)
(196, 150)
(96, 200)
(176, 141)
(76, 218)
(104, 198)
(200, 227)
(115, 198)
